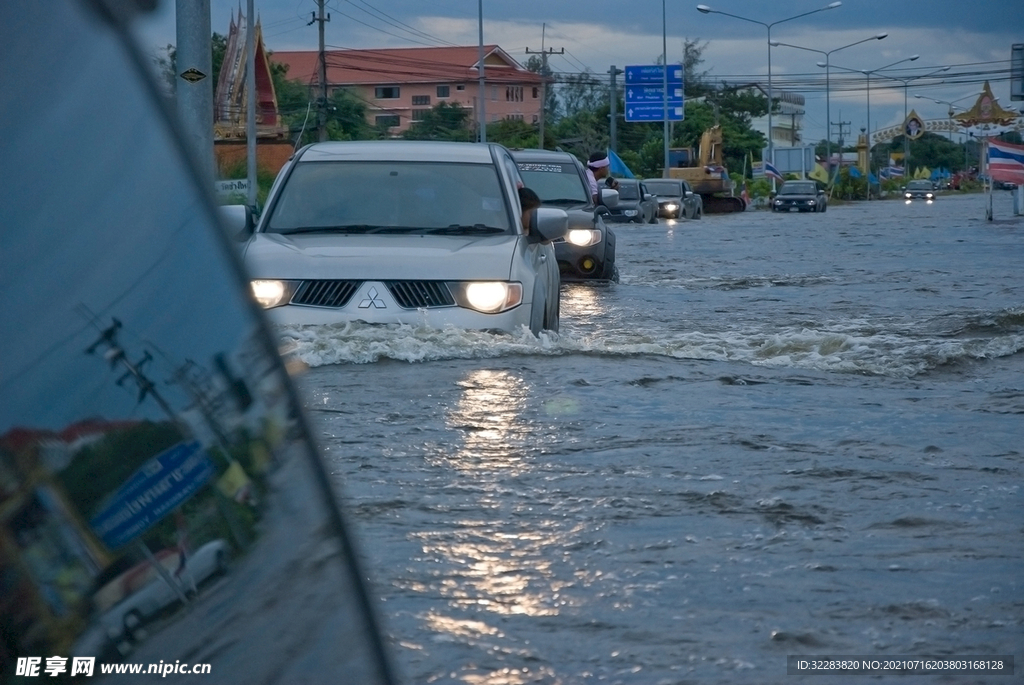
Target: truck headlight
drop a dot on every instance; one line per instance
(272, 293)
(584, 237)
(489, 297)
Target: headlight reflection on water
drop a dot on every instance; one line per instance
(490, 563)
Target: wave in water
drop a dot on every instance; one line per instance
(865, 350)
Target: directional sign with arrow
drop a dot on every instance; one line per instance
(645, 93)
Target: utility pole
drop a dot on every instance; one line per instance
(544, 78)
(250, 102)
(613, 106)
(322, 64)
(844, 127)
(793, 133)
(116, 355)
(194, 85)
(482, 85)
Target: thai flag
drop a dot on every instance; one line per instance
(772, 172)
(1006, 162)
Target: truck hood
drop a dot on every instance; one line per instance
(380, 256)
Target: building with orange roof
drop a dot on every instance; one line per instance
(399, 85)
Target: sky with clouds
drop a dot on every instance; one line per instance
(973, 38)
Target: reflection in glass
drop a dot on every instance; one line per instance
(159, 501)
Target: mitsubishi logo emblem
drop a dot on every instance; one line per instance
(373, 300)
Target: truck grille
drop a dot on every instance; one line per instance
(325, 293)
(416, 294)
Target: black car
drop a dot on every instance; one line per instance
(919, 190)
(676, 200)
(637, 205)
(803, 196)
(587, 252)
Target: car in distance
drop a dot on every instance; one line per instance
(919, 190)
(637, 205)
(422, 233)
(676, 199)
(803, 196)
(587, 252)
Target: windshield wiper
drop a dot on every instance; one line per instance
(456, 229)
(350, 228)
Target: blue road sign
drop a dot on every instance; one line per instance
(653, 75)
(152, 492)
(654, 95)
(653, 112)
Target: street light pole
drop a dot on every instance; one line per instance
(664, 88)
(704, 9)
(867, 75)
(828, 112)
(952, 105)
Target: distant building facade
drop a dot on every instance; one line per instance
(399, 85)
(787, 120)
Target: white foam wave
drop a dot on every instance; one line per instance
(876, 353)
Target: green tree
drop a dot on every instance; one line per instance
(444, 121)
(537, 66)
(513, 133)
(581, 92)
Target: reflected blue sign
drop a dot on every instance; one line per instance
(152, 492)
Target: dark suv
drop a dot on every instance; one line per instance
(587, 252)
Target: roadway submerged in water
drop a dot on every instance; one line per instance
(779, 434)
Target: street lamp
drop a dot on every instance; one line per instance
(828, 115)
(704, 9)
(952, 105)
(867, 74)
(906, 86)
(664, 89)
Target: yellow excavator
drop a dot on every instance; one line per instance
(705, 174)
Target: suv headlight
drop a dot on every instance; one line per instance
(671, 206)
(272, 293)
(489, 297)
(630, 212)
(583, 237)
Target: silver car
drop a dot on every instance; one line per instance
(421, 233)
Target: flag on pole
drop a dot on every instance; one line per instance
(771, 172)
(1006, 162)
(818, 173)
(618, 167)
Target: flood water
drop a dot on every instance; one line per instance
(778, 435)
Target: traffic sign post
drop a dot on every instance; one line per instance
(645, 93)
(649, 111)
(654, 75)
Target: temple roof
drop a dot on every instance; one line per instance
(230, 100)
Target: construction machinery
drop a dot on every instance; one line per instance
(705, 174)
